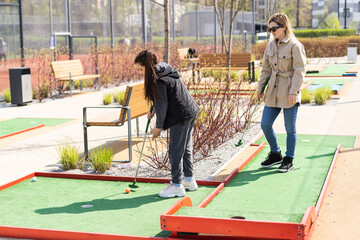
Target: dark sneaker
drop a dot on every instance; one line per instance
(272, 159)
(286, 165)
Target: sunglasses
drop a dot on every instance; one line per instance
(273, 29)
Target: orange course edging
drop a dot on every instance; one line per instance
(22, 131)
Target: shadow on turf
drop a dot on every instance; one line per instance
(102, 205)
(245, 177)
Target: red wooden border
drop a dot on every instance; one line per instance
(356, 141)
(37, 233)
(330, 76)
(258, 137)
(211, 196)
(243, 228)
(232, 227)
(308, 84)
(117, 178)
(308, 220)
(243, 164)
(22, 131)
(327, 180)
(16, 181)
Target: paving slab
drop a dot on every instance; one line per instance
(339, 214)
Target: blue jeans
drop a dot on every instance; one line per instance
(267, 121)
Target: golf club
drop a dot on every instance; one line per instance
(247, 125)
(134, 185)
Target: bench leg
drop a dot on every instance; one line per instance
(253, 71)
(98, 79)
(137, 128)
(86, 149)
(70, 85)
(129, 136)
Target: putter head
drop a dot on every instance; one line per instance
(239, 143)
(133, 185)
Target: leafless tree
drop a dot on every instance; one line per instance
(233, 7)
(165, 5)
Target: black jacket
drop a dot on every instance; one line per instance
(173, 103)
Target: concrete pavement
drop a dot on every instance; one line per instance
(36, 150)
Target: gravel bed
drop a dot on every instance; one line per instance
(203, 170)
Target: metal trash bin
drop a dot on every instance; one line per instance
(20, 85)
(352, 52)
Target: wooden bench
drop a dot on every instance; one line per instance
(184, 57)
(217, 61)
(71, 70)
(133, 106)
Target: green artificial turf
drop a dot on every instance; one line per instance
(329, 82)
(266, 194)
(19, 124)
(331, 70)
(304, 140)
(55, 203)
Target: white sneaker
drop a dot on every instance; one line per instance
(171, 191)
(191, 185)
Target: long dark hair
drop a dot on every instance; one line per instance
(148, 60)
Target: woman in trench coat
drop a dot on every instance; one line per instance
(284, 64)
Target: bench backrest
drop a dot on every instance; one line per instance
(219, 60)
(135, 99)
(63, 68)
(183, 53)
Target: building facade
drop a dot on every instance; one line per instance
(322, 8)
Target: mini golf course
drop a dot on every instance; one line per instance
(333, 84)
(19, 125)
(331, 71)
(274, 205)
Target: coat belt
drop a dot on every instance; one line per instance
(272, 81)
(273, 76)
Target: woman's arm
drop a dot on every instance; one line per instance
(265, 73)
(160, 106)
(299, 62)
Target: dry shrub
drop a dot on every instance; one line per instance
(42, 77)
(225, 109)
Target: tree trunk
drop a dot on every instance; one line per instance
(223, 28)
(228, 61)
(167, 32)
(298, 13)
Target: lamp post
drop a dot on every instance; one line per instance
(345, 15)
(143, 15)
(215, 32)
(253, 22)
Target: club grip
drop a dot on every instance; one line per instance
(266, 82)
(148, 122)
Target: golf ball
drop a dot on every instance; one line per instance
(34, 179)
(127, 190)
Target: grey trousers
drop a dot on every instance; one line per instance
(180, 149)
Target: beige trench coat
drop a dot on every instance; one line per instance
(284, 63)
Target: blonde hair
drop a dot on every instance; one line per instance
(283, 20)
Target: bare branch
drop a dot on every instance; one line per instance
(162, 5)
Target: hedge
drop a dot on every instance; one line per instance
(318, 47)
(315, 33)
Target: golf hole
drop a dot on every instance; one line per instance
(87, 206)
